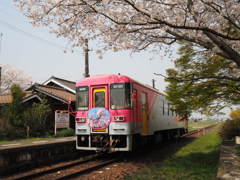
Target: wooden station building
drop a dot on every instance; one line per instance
(60, 94)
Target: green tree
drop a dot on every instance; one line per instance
(12, 121)
(35, 119)
(20, 120)
(12, 113)
(231, 127)
(202, 82)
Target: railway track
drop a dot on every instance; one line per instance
(201, 131)
(69, 169)
(87, 170)
(84, 165)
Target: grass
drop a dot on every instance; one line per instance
(200, 124)
(196, 161)
(61, 133)
(65, 133)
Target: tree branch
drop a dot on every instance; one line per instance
(232, 54)
(162, 22)
(192, 78)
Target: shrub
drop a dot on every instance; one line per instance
(65, 133)
(235, 114)
(36, 119)
(2, 134)
(10, 133)
(238, 150)
(230, 129)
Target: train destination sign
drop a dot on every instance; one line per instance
(85, 88)
(117, 86)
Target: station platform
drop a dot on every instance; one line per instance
(17, 156)
(27, 143)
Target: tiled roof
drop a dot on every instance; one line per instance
(57, 88)
(66, 84)
(7, 98)
(54, 92)
(57, 93)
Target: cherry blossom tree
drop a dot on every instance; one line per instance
(10, 76)
(211, 25)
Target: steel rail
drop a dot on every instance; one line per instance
(198, 130)
(87, 170)
(56, 169)
(82, 161)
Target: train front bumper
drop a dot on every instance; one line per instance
(102, 142)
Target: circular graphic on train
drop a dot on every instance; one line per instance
(98, 118)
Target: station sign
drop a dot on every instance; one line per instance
(61, 120)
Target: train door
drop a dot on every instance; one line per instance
(99, 97)
(144, 114)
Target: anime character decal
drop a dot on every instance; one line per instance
(98, 118)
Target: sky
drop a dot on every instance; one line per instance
(41, 55)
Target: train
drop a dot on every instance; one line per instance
(117, 113)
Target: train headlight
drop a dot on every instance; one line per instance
(80, 120)
(119, 118)
(82, 138)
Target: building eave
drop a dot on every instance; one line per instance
(31, 97)
(52, 79)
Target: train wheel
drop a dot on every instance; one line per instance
(136, 142)
(158, 138)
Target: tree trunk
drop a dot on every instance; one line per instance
(28, 131)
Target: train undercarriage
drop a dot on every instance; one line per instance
(106, 142)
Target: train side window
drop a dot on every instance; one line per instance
(163, 107)
(168, 108)
(134, 98)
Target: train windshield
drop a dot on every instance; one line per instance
(120, 96)
(82, 98)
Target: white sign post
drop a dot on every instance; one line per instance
(61, 120)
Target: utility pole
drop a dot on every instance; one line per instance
(153, 83)
(0, 80)
(86, 74)
(1, 34)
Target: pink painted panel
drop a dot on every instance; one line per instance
(103, 79)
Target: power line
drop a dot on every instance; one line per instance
(16, 29)
(1, 35)
(3, 10)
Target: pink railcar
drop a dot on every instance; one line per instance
(117, 113)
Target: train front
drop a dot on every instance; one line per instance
(104, 114)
